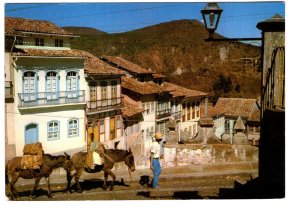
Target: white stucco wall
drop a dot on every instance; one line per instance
(51, 146)
(219, 126)
(49, 42)
(147, 123)
(41, 115)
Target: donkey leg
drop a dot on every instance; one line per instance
(111, 187)
(50, 195)
(105, 181)
(13, 190)
(77, 176)
(69, 179)
(36, 184)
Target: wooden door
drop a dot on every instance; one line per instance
(112, 133)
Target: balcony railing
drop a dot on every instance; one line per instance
(163, 113)
(51, 98)
(8, 89)
(104, 104)
(176, 115)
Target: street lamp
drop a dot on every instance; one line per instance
(213, 12)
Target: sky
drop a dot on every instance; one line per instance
(238, 19)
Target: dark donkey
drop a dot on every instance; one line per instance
(13, 171)
(111, 156)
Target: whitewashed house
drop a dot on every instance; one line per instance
(48, 87)
(226, 112)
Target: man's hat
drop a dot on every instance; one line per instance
(158, 136)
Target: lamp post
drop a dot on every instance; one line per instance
(211, 14)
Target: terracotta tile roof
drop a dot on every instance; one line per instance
(49, 53)
(118, 61)
(254, 115)
(210, 111)
(234, 107)
(95, 66)
(92, 64)
(158, 75)
(130, 108)
(17, 25)
(179, 91)
(140, 87)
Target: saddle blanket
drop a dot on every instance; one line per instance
(33, 149)
(31, 161)
(33, 156)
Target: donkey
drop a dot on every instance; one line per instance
(111, 156)
(13, 171)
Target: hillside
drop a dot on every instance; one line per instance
(84, 31)
(178, 49)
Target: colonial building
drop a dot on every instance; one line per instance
(48, 87)
(226, 113)
(171, 101)
(55, 94)
(103, 103)
(186, 107)
(145, 94)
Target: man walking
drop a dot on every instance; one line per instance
(154, 159)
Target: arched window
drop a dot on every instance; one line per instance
(53, 130)
(114, 93)
(103, 85)
(52, 85)
(71, 81)
(73, 127)
(72, 84)
(93, 91)
(29, 86)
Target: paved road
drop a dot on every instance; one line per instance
(184, 183)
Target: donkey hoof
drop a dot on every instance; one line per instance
(111, 188)
(104, 187)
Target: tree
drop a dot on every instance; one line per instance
(222, 86)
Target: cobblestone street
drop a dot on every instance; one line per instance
(191, 182)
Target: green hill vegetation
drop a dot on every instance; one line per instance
(178, 49)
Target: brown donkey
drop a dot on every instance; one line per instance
(111, 156)
(13, 171)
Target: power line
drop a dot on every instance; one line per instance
(116, 12)
(28, 8)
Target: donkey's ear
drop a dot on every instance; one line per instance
(66, 155)
(129, 150)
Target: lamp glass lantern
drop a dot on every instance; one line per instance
(211, 16)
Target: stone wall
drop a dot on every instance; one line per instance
(180, 155)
